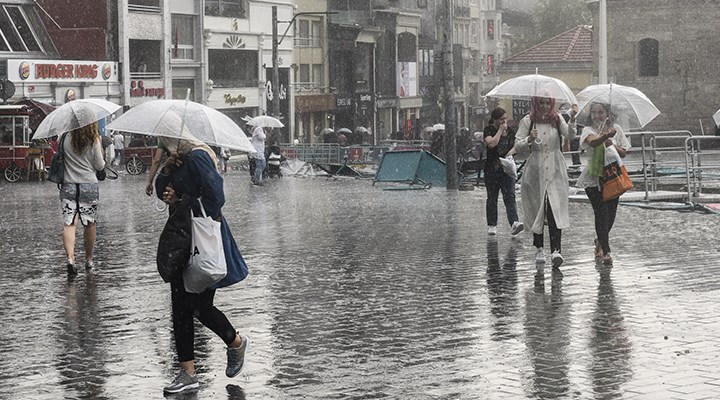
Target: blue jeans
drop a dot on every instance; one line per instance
(496, 182)
(259, 168)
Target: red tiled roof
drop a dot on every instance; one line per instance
(573, 45)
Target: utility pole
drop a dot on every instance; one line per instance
(275, 111)
(449, 90)
(602, 56)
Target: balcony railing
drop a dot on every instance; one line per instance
(314, 87)
(143, 9)
(145, 75)
(308, 42)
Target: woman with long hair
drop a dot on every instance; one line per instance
(607, 141)
(545, 189)
(500, 142)
(79, 193)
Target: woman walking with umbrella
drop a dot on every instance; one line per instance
(608, 140)
(544, 187)
(190, 173)
(79, 193)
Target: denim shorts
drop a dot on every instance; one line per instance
(84, 203)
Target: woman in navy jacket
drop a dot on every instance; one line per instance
(191, 171)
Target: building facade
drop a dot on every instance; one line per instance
(669, 51)
(54, 51)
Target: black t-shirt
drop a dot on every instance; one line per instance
(492, 162)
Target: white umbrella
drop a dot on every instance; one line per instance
(183, 119)
(265, 121)
(439, 127)
(73, 115)
(344, 130)
(631, 107)
(362, 130)
(526, 86)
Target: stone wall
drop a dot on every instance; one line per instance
(687, 86)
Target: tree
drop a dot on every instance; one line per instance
(551, 18)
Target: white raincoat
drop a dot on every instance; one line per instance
(545, 174)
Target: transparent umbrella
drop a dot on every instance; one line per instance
(526, 86)
(265, 121)
(630, 107)
(73, 115)
(183, 119)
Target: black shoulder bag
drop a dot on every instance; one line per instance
(57, 165)
(174, 246)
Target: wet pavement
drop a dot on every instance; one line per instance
(360, 293)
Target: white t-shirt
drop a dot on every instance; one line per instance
(119, 141)
(258, 141)
(611, 154)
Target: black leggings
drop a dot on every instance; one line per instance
(555, 233)
(186, 305)
(605, 212)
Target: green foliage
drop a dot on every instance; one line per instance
(551, 18)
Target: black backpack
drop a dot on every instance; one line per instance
(57, 165)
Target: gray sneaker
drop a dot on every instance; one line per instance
(517, 227)
(182, 382)
(236, 358)
(89, 265)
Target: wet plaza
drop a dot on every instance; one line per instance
(360, 293)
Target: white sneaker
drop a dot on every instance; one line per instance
(492, 230)
(557, 259)
(517, 227)
(540, 256)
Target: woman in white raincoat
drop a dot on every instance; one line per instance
(545, 189)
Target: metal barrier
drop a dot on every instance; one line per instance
(701, 157)
(320, 153)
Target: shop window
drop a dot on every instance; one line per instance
(145, 59)
(226, 8)
(180, 88)
(16, 34)
(183, 31)
(233, 68)
(649, 57)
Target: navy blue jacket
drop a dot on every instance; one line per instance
(198, 177)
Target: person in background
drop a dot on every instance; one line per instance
(544, 188)
(224, 158)
(607, 141)
(119, 144)
(499, 142)
(259, 135)
(79, 193)
(191, 170)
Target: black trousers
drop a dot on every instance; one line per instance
(555, 233)
(605, 212)
(185, 306)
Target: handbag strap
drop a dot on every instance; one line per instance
(202, 209)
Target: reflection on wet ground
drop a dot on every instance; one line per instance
(356, 292)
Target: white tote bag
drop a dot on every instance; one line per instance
(207, 262)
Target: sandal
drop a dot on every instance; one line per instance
(607, 259)
(598, 249)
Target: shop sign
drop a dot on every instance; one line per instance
(62, 70)
(344, 102)
(232, 100)
(315, 103)
(138, 89)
